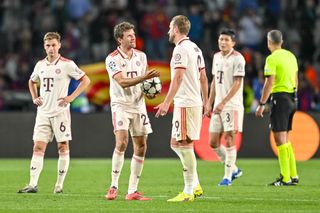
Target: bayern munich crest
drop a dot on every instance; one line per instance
(58, 71)
(177, 57)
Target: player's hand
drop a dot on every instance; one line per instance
(63, 102)
(218, 109)
(207, 110)
(152, 73)
(259, 111)
(162, 109)
(38, 101)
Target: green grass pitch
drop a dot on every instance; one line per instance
(161, 179)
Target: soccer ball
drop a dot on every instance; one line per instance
(152, 86)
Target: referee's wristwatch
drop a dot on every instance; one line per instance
(261, 104)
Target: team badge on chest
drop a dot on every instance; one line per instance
(58, 71)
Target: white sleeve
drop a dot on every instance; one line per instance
(144, 62)
(214, 71)
(112, 66)
(74, 71)
(180, 58)
(239, 66)
(35, 76)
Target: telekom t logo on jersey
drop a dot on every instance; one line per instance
(132, 74)
(48, 83)
(220, 76)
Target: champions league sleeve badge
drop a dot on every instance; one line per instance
(112, 66)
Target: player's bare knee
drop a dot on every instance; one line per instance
(39, 147)
(121, 145)
(140, 149)
(214, 143)
(229, 138)
(63, 147)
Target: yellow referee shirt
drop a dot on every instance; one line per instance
(283, 65)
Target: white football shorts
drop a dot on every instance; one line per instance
(59, 126)
(137, 123)
(186, 123)
(228, 120)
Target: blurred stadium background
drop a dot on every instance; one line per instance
(86, 27)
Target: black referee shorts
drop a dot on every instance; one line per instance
(283, 108)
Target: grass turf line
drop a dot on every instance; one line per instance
(88, 179)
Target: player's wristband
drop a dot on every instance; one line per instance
(261, 104)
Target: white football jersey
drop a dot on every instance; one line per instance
(130, 99)
(54, 79)
(187, 55)
(224, 69)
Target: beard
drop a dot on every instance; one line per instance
(171, 38)
(133, 45)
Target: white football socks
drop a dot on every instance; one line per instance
(231, 157)
(136, 170)
(63, 166)
(195, 178)
(117, 164)
(36, 166)
(189, 161)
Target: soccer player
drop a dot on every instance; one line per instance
(189, 91)
(281, 83)
(127, 68)
(53, 74)
(228, 70)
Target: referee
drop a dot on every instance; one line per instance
(281, 81)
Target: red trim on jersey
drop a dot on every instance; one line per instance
(81, 77)
(119, 50)
(182, 40)
(116, 73)
(183, 123)
(114, 53)
(202, 68)
(184, 68)
(64, 59)
(33, 81)
(114, 118)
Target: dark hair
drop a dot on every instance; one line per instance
(275, 36)
(229, 32)
(119, 29)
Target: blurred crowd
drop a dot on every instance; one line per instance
(86, 27)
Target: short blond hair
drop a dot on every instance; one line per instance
(183, 24)
(52, 35)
